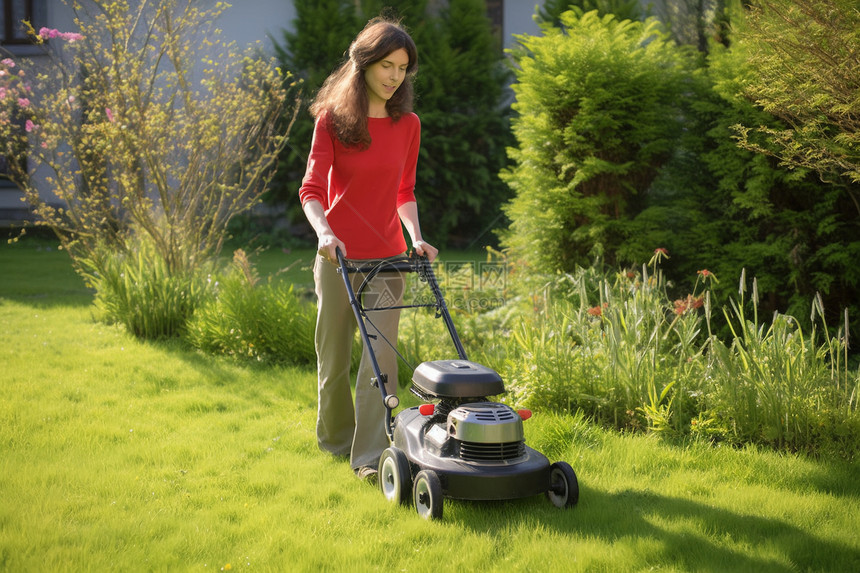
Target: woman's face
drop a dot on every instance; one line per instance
(385, 76)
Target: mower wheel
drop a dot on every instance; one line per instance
(427, 494)
(395, 478)
(564, 488)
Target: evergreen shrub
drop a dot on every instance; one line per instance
(599, 112)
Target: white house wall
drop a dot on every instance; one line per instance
(518, 19)
(245, 22)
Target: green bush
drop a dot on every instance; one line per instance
(247, 319)
(805, 72)
(720, 206)
(599, 112)
(797, 232)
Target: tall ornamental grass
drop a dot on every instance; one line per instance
(614, 346)
(137, 289)
(224, 311)
(253, 320)
(621, 349)
(776, 384)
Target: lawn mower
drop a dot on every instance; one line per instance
(459, 443)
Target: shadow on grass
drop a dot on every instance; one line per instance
(710, 539)
(220, 371)
(37, 274)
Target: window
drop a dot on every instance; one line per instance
(18, 159)
(12, 14)
(14, 11)
(4, 171)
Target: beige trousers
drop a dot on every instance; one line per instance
(345, 427)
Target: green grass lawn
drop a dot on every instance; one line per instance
(121, 455)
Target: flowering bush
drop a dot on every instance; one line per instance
(48, 33)
(142, 127)
(132, 139)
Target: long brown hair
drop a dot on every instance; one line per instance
(343, 96)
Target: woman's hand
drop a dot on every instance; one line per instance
(328, 245)
(425, 250)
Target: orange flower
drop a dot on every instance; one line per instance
(660, 253)
(682, 305)
(707, 275)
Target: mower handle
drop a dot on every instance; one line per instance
(412, 263)
(416, 263)
(389, 400)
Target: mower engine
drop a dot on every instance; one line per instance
(480, 432)
(464, 425)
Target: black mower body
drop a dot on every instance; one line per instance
(428, 446)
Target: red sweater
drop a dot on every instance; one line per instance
(361, 190)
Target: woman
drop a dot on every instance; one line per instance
(357, 190)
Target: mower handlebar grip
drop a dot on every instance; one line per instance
(412, 264)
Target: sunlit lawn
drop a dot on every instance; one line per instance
(121, 455)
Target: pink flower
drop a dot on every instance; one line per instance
(2, 93)
(23, 102)
(49, 33)
(30, 126)
(8, 62)
(109, 114)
